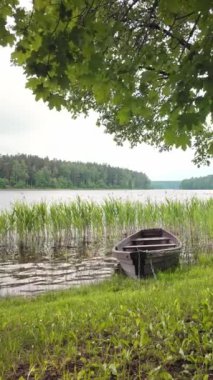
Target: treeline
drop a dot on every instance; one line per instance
(23, 171)
(198, 183)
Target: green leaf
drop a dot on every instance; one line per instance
(36, 42)
(124, 115)
(19, 57)
(113, 369)
(55, 101)
(39, 5)
(101, 92)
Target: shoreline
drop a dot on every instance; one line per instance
(121, 328)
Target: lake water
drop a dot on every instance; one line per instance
(8, 197)
(26, 273)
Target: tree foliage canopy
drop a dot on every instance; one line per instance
(144, 65)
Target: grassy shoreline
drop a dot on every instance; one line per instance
(119, 329)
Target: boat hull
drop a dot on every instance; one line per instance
(147, 252)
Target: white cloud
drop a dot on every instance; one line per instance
(27, 126)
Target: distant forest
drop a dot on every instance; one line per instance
(165, 184)
(23, 171)
(202, 183)
(198, 183)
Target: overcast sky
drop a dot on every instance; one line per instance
(29, 127)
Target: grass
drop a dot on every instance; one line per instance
(35, 225)
(119, 329)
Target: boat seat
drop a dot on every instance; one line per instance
(150, 246)
(151, 239)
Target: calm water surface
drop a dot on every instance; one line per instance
(8, 197)
(28, 273)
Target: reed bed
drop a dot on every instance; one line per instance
(39, 225)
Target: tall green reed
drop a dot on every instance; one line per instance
(59, 223)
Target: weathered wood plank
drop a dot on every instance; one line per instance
(149, 246)
(129, 270)
(121, 255)
(159, 238)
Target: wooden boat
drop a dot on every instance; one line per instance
(147, 251)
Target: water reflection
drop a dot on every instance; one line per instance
(31, 272)
(30, 278)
